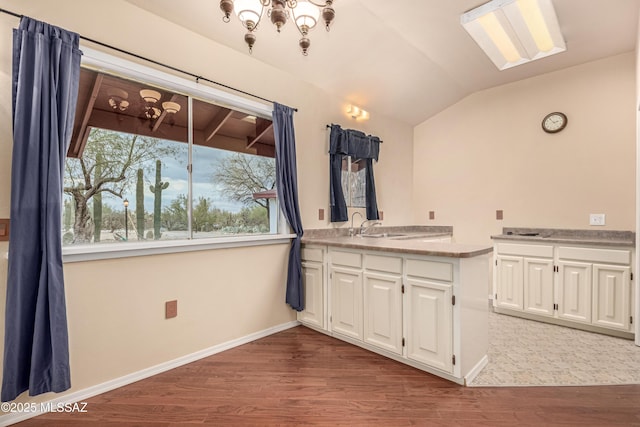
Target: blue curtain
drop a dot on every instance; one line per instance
(348, 142)
(46, 72)
(287, 185)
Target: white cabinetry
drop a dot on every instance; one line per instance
(524, 278)
(597, 288)
(509, 290)
(383, 302)
(403, 307)
(430, 326)
(314, 287)
(611, 296)
(430, 313)
(574, 291)
(538, 286)
(346, 293)
(586, 287)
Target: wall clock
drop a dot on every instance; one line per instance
(554, 122)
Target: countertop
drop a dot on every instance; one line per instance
(569, 236)
(410, 243)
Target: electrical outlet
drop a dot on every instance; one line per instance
(596, 219)
(170, 309)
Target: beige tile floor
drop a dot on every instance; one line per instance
(528, 353)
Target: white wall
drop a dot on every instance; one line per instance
(488, 152)
(115, 307)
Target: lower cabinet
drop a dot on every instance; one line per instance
(538, 286)
(383, 310)
(313, 288)
(402, 306)
(509, 293)
(346, 302)
(574, 291)
(587, 287)
(611, 308)
(430, 323)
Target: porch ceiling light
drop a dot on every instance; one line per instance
(514, 32)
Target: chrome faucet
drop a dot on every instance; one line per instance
(351, 229)
(366, 229)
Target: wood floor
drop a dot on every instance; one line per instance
(301, 377)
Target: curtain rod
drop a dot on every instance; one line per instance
(135, 55)
(329, 127)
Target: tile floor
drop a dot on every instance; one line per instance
(525, 353)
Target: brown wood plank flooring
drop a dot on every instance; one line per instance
(301, 377)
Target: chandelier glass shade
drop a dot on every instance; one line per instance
(305, 14)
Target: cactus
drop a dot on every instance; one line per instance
(157, 201)
(140, 205)
(97, 202)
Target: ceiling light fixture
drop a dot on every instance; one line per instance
(305, 15)
(171, 107)
(118, 99)
(357, 113)
(514, 32)
(151, 97)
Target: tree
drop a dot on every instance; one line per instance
(201, 214)
(242, 175)
(174, 216)
(121, 155)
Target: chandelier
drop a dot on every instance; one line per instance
(305, 15)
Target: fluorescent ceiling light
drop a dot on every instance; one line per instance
(513, 32)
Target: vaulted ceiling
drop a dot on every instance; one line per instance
(408, 59)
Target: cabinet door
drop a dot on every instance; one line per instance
(574, 291)
(430, 323)
(383, 311)
(312, 284)
(346, 302)
(510, 288)
(611, 296)
(538, 286)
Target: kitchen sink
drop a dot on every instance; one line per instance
(379, 235)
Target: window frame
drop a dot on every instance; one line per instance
(104, 62)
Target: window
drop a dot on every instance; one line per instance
(354, 182)
(152, 163)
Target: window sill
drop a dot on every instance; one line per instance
(131, 249)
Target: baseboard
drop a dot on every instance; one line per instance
(473, 373)
(80, 395)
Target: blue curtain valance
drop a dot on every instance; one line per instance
(353, 143)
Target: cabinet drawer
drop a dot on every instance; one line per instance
(311, 254)
(611, 256)
(542, 251)
(383, 263)
(430, 269)
(349, 259)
